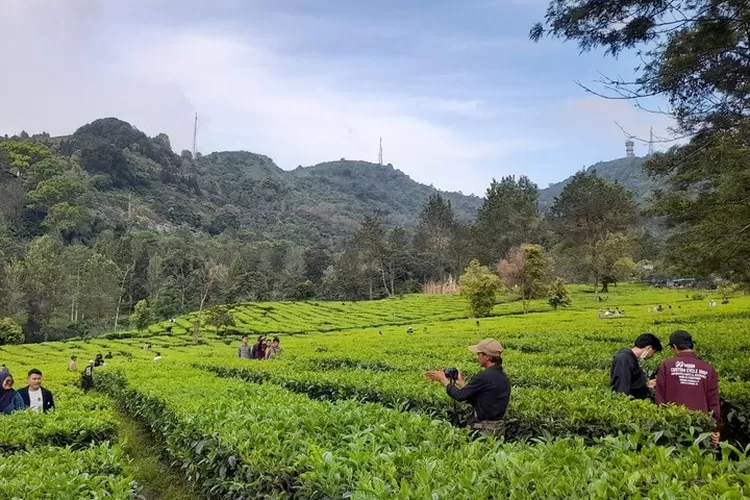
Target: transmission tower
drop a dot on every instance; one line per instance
(380, 152)
(651, 142)
(195, 134)
(629, 148)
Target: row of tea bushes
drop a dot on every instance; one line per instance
(238, 440)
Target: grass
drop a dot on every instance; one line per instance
(157, 480)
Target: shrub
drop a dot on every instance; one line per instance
(480, 287)
(10, 331)
(558, 295)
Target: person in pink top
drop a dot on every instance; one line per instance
(689, 381)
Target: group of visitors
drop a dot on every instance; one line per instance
(33, 396)
(264, 348)
(617, 313)
(684, 379)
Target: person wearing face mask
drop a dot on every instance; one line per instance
(626, 375)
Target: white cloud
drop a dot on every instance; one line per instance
(254, 104)
(77, 60)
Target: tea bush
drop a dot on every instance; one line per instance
(346, 412)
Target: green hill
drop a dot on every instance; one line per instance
(139, 179)
(627, 171)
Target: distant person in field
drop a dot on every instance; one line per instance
(259, 349)
(274, 349)
(109, 355)
(488, 392)
(35, 396)
(410, 330)
(10, 400)
(158, 356)
(99, 360)
(243, 351)
(87, 377)
(626, 376)
(689, 381)
(72, 366)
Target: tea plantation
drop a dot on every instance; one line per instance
(346, 411)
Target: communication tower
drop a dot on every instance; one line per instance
(629, 151)
(380, 152)
(651, 142)
(195, 134)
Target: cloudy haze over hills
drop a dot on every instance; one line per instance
(456, 90)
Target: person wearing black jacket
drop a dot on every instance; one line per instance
(488, 392)
(626, 376)
(35, 396)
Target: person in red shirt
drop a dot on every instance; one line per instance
(689, 381)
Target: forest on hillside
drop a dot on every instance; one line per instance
(95, 223)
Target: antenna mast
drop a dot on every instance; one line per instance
(380, 152)
(651, 142)
(195, 134)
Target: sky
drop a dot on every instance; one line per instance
(455, 89)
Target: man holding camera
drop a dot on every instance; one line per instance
(488, 392)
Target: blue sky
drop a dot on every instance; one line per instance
(457, 91)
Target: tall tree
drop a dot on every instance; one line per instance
(435, 238)
(508, 217)
(316, 261)
(525, 270)
(586, 212)
(44, 283)
(707, 203)
(141, 316)
(696, 53)
(373, 250)
(614, 259)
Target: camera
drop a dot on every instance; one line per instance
(451, 373)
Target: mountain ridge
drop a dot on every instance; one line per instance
(627, 171)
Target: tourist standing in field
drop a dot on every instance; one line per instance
(87, 377)
(35, 396)
(72, 366)
(626, 375)
(10, 400)
(259, 349)
(274, 349)
(689, 381)
(243, 351)
(488, 392)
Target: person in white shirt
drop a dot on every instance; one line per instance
(35, 396)
(157, 357)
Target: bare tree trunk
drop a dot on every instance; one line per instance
(122, 290)
(385, 283)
